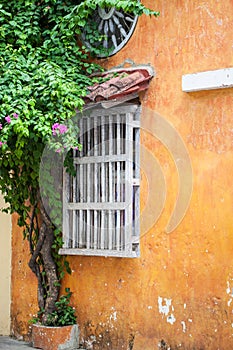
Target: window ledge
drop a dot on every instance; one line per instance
(100, 252)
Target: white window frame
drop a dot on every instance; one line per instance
(101, 209)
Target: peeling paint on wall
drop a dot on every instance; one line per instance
(164, 308)
(183, 326)
(113, 316)
(164, 305)
(229, 291)
(171, 319)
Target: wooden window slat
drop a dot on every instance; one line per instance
(101, 204)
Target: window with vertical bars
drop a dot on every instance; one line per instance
(101, 203)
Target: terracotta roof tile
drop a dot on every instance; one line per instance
(120, 83)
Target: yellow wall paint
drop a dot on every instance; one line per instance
(180, 290)
(5, 271)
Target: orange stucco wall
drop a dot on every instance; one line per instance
(181, 288)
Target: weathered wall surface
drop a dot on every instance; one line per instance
(23, 285)
(181, 288)
(5, 270)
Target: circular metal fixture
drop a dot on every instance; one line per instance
(115, 28)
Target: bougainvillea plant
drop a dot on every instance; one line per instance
(44, 73)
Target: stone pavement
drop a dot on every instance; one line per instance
(7, 343)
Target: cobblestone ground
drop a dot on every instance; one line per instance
(7, 343)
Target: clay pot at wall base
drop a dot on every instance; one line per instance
(55, 338)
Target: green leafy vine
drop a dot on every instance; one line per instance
(44, 75)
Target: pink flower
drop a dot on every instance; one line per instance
(54, 127)
(1, 143)
(8, 119)
(15, 115)
(61, 127)
(0, 126)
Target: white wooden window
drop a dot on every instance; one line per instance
(101, 204)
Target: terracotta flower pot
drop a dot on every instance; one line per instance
(55, 338)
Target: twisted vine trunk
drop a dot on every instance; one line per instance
(51, 272)
(42, 264)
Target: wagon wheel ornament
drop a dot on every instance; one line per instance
(114, 26)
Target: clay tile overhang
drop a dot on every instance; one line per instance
(120, 84)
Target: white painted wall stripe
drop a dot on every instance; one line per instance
(208, 80)
(5, 270)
